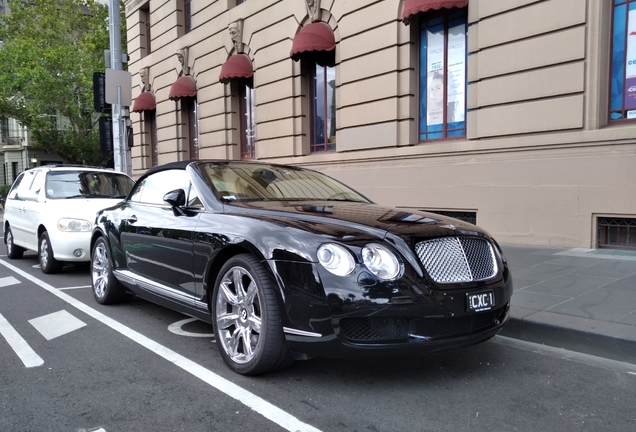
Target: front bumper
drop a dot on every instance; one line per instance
(335, 346)
(65, 244)
(352, 317)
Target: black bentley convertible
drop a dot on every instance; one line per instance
(287, 263)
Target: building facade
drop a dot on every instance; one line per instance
(17, 152)
(519, 115)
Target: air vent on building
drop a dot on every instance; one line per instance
(470, 217)
(617, 233)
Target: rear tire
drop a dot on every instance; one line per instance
(246, 317)
(106, 288)
(48, 264)
(13, 251)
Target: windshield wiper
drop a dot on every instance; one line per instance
(88, 196)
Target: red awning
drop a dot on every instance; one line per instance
(144, 102)
(237, 66)
(313, 37)
(183, 87)
(413, 7)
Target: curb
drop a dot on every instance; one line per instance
(615, 348)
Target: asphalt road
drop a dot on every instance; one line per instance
(69, 364)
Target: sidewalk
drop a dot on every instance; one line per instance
(578, 299)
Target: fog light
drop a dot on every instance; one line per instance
(78, 252)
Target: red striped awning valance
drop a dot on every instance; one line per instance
(183, 87)
(144, 102)
(413, 7)
(237, 66)
(316, 36)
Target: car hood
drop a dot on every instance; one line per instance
(79, 208)
(374, 219)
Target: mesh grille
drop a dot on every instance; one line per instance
(399, 328)
(457, 259)
(374, 329)
(463, 325)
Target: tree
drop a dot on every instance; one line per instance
(49, 51)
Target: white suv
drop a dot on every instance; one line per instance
(51, 210)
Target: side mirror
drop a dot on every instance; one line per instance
(175, 198)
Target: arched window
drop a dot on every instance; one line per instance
(247, 122)
(442, 82)
(322, 104)
(315, 46)
(189, 108)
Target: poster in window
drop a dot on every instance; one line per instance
(630, 67)
(456, 80)
(435, 78)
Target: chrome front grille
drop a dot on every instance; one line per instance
(457, 259)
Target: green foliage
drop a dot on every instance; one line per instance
(49, 51)
(4, 190)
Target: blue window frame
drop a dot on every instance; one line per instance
(622, 104)
(442, 81)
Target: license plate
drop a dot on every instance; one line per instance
(481, 301)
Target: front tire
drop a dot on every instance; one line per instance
(13, 251)
(48, 264)
(106, 288)
(246, 316)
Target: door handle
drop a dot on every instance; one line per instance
(132, 219)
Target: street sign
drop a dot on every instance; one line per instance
(118, 78)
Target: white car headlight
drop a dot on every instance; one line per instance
(336, 259)
(74, 225)
(380, 261)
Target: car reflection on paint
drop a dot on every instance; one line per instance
(287, 263)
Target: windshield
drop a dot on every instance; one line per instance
(87, 184)
(247, 182)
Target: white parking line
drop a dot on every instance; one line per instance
(261, 406)
(176, 329)
(7, 281)
(19, 345)
(56, 324)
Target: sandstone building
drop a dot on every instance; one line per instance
(519, 114)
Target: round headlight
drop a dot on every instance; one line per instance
(380, 261)
(336, 259)
(74, 225)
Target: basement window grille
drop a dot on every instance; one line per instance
(617, 233)
(470, 217)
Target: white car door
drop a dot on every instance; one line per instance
(15, 207)
(33, 207)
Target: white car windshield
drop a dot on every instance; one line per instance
(87, 184)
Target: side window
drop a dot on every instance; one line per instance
(193, 198)
(38, 182)
(24, 184)
(157, 185)
(15, 187)
(136, 194)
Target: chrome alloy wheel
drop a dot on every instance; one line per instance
(238, 315)
(44, 252)
(100, 266)
(9, 242)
